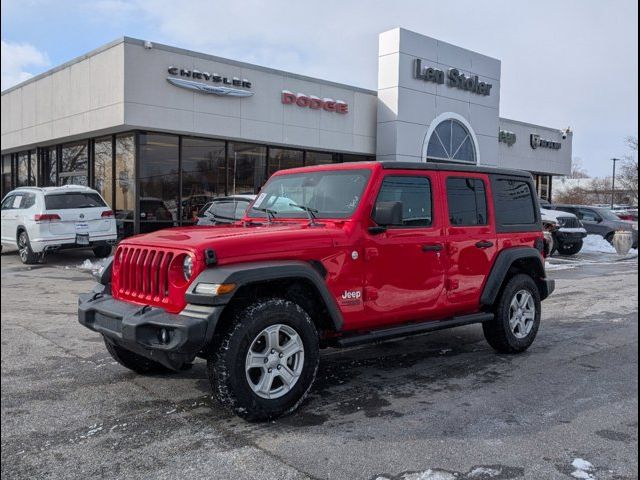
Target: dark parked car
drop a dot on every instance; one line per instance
(600, 221)
(224, 210)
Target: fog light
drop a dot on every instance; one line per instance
(164, 336)
(214, 288)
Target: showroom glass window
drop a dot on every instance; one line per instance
(125, 193)
(159, 181)
(22, 170)
(320, 158)
(348, 157)
(50, 166)
(247, 163)
(451, 142)
(103, 168)
(33, 168)
(74, 164)
(283, 158)
(204, 174)
(6, 174)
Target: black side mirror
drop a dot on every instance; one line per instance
(387, 214)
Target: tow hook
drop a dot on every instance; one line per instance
(143, 310)
(96, 296)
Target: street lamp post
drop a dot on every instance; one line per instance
(613, 182)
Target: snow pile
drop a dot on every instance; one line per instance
(429, 475)
(484, 472)
(597, 244)
(93, 267)
(582, 469)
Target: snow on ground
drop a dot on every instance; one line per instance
(582, 469)
(94, 266)
(597, 244)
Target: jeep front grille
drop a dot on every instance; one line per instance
(142, 274)
(569, 222)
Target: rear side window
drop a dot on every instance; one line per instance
(415, 195)
(467, 199)
(65, 201)
(514, 202)
(29, 200)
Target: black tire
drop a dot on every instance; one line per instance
(498, 331)
(27, 256)
(570, 248)
(102, 251)
(133, 361)
(226, 364)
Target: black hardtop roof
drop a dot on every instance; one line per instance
(452, 167)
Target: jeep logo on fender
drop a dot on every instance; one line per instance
(314, 103)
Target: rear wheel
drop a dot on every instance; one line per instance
(27, 256)
(102, 251)
(265, 362)
(570, 248)
(133, 361)
(517, 316)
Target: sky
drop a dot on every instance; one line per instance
(565, 63)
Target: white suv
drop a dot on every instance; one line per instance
(38, 220)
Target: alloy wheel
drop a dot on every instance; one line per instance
(522, 314)
(274, 361)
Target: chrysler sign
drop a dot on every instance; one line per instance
(453, 77)
(206, 82)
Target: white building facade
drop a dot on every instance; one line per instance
(150, 125)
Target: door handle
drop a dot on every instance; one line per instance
(484, 244)
(432, 247)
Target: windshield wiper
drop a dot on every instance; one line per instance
(312, 213)
(271, 214)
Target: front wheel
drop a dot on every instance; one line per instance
(517, 316)
(266, 361)
(570, 248)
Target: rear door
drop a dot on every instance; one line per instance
(471, 238)
(405, 265)
(81, 213)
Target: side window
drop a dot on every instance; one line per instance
(588, 215)
(415, 195)
(17, 201)
(514, 202)
(467, 199)
(29, 201)
(7, 203)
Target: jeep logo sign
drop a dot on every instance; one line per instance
(506, 137)
(536, 142)
(454, 78)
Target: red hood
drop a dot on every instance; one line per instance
(231, 242)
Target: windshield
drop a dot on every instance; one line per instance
(65, 201)
(331, 194)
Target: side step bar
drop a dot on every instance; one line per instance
(412, 329)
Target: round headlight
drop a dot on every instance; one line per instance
(187, 267)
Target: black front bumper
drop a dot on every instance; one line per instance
(139, 329)
(569, 237)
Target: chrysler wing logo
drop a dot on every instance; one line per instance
(205, 88)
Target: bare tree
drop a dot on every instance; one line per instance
(577, 170)
(629, 174)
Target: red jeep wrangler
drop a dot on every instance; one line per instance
(332, 255)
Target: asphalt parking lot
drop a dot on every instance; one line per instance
(441, 406)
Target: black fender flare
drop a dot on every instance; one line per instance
(242, 274)
(500, 269)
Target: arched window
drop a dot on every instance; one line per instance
(451, 142)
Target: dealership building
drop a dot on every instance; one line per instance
(160, 130)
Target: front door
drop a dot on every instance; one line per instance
(405, 264)
(471, 243)
(9, 215)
